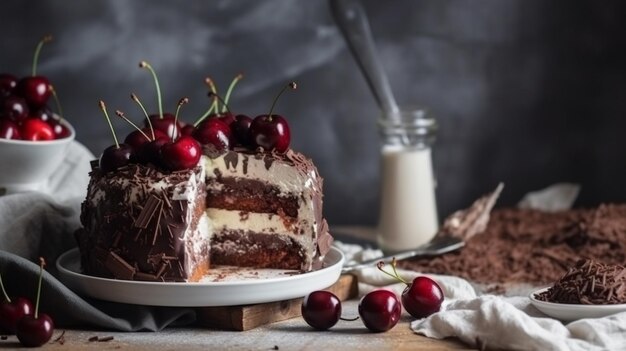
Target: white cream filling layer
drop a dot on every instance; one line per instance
(255, 222)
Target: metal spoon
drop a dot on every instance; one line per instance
(352, 20)
(438, 246)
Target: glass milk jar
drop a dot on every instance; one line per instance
(408, 209)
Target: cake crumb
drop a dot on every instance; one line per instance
(61, 338)
(3, 337)
(275, 347)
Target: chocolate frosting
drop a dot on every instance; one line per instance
(137, 228)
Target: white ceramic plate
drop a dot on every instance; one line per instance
(571, 312)
(244, 286)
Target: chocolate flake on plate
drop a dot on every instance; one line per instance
(589, 283)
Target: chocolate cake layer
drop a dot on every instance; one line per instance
(260, 250)
(250, 195)
(530, 246)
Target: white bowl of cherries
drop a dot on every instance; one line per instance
(33, 138)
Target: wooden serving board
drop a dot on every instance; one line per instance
(246, 317)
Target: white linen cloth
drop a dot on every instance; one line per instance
(489, 321)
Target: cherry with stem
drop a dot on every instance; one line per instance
(271, 132)
(35, 330)
(12, 310)
(421, 297)
(117, 155)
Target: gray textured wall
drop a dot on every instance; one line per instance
(526, 92)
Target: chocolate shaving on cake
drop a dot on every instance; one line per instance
(589, 283)
(148, 211)
(119, 267)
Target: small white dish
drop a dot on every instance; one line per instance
(245, 286)
(571, 312)
(29, 164)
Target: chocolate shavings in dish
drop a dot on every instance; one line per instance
(589, 283)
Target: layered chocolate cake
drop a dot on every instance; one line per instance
(239, 207)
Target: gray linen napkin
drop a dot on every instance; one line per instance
(41, 224)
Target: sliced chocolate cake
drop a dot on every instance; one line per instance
(265, 210)
(242, 208)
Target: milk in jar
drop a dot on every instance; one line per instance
(408, 207)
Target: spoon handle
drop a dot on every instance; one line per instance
(352, 20)
(434, 248)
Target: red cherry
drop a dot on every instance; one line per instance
(136, 139)
(11, 312)
(422, 297)
(35, 331)
(9, 130)
(380, 310)
(167, 124)
(150, 152)
(35, 90)
(36, 130)
(321, 309)
(14, 108)
(44, 113)
(183, 153)
(214, 132)
(270, 133)
(227, 118)
(8, 82)
(60, 130)
(114, 157)
(187, 130)
(240, 129)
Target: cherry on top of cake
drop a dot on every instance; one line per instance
(169, 145)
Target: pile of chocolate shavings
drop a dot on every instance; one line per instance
(534, 247)
(589, 283)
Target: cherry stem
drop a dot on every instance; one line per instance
(44, 40)
(230, 89)
(291, 85)
(42, 263)
(213, 88)
(349, 319)
(121, 115)
(144, 64)
(106, 114)
(56, 101)
(181, 102)
(205, 115)
(395, 274)
(6, 297)
(136, 99)
(208, 81)
(226, 108)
